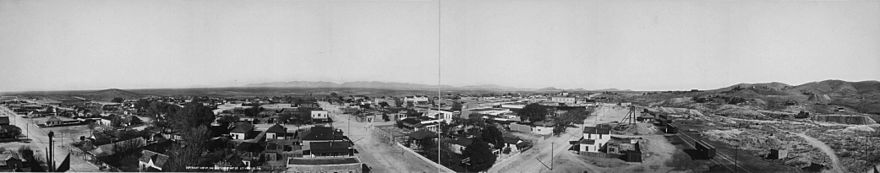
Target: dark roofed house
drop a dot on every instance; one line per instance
(276, 131)
(410, 123)
(241, 130)
(152, 161)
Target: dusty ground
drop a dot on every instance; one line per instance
(64, 136)
(659, 152)
(380, 157)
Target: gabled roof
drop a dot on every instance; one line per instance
(277, 128)
(598, 129)
(157, 158)
(587, 141)
(243, 127)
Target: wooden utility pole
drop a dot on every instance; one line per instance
(51, 160)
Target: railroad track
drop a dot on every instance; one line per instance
(722, 159)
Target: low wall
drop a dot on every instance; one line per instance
(435, 164)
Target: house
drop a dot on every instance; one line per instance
(442, 114)
(543, 127)
(151, 161)
(510, 145)
(595, 137)
(417, 136)
(321, 115)
(241, 130)
(588, 145)
(276, 132)
(10, 161)
(520, 127)
(458, 145)
(626, 149)
(321, 134)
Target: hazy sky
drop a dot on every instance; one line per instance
(632, 44)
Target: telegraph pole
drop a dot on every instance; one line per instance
(439, 55)
(51, 159)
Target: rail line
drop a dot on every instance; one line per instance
(720, 158)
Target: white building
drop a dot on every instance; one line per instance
(569, 100)
(320, 114)
(543, 128)
(416, 99)
(445, 115)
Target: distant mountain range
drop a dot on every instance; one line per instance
(829, 87)
(408, 86)
(379, 85)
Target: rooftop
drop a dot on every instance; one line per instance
(322, 161)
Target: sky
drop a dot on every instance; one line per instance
(626, 44)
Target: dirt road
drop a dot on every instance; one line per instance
(379, 156)
(40, 141)
(825, 149)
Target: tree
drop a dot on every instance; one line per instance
(575, 116)
(192, 115)
(558, 129)
(493, 136)
(478, 156)
(398, 102)
(118, 100)
(409, 104)
(456, 106)
(383, 104)
(253, 111)
(533, 112)
(227, 120)
(28, 155)
(9, 131)
(188, 151)
(385, 117)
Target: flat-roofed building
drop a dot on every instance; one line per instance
(340, 165)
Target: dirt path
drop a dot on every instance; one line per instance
(825, 149)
